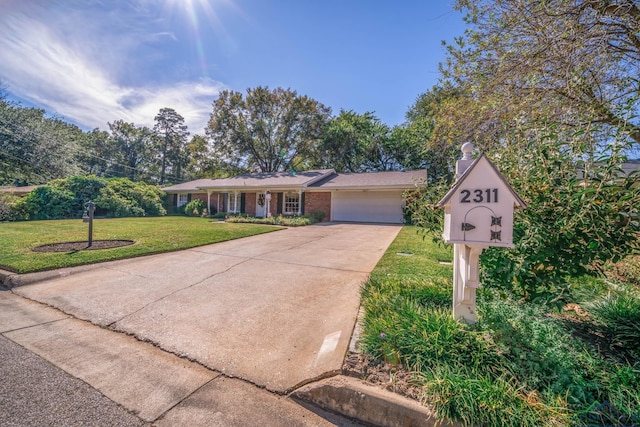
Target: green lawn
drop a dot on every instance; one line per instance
(521, 364)
(151, 235)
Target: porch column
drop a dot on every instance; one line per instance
(267, 203)
(209, 202)
(300, 202)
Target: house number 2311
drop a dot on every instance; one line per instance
(489, 195)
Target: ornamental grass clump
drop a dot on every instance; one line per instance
(476, 398)
(619, 316)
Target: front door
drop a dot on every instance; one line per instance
(261, 205)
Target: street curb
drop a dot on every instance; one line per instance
(359, 400)
(11, 280)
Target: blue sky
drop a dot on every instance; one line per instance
(97, 61)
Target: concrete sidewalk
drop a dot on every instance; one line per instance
(57, 370)
(109, 378)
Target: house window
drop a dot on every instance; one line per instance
(183, 199)
(234, 203)
(291, 203)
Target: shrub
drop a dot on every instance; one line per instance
(7, 206)
(194, 208)
(84, 188)
(46, 202)
(122, 197)
(580, 215)
(316, 216)
(287, 221)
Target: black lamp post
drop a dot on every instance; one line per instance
(88, 217)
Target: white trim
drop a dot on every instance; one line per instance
(291, 195)
(263, 208)
(182, 197)
(236, 204)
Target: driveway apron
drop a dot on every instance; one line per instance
(276, 310)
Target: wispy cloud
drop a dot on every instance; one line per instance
(70, 64)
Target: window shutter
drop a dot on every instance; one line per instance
(280, 202)
(175, 200)
(242, 201)
(302, 204)
(188, 197)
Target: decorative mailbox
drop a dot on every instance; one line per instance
(478, 210)
(478, 213)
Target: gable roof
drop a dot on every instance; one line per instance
(325, 179)
(268, 180)
(188, 187)
(518, 201)
(373, 180)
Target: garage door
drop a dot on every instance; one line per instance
(367, 206)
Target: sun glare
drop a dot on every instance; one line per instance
(202, 16)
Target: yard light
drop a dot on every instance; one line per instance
(88, 217)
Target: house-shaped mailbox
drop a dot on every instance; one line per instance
(478, 210)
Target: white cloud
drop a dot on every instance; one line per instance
(70, 72)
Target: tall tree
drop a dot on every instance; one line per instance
(95, 154)
(35, 148)
(131, 150)
(433, 131)
(354, 142)
(565, 61)
(348, 142)
(267, 130)
(202, 162)
(172, 134)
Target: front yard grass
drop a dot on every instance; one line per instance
(151, 235)
(521, 364)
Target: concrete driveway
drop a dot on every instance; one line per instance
(276, 310)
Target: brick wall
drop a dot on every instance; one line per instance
(318, 202)
(250, 203)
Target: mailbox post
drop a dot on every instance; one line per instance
(478, 213)
(88, 217)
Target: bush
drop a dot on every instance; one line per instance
(122, 197)
(84, 188)
(316, 216)
(287, 221)
(7, 206)
(194, 208)
(47, 202)
(580, 216)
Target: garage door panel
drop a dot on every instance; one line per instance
(367, 206)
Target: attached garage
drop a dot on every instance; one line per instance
(367, 206)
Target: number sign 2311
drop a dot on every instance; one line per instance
(489, 195)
